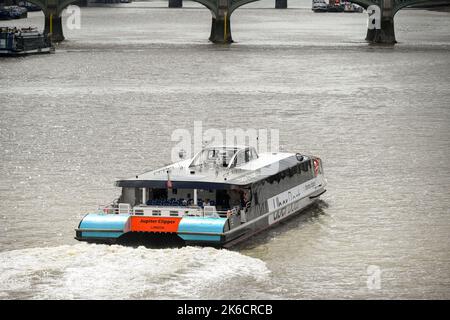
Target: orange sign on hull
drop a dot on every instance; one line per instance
(155, 224)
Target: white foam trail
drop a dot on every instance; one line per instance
(88, 271)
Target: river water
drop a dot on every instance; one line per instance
(105, 106)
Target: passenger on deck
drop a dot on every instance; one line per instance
(206, 203)
(235, 198)
(247, 197)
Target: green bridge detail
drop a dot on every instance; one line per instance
(221, 11)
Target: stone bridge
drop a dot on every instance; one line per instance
(221, 11)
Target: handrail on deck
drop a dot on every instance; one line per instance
(111, 209)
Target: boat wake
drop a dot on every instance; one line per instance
(88, 271)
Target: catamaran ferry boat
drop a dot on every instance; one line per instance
(221, 196)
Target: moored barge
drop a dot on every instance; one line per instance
(20, 41)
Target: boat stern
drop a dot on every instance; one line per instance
(197, 230)
(108, 228)
(102, 227)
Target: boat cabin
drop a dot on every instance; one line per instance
(224, 157)
(192, 185)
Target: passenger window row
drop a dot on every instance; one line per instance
(177, 202)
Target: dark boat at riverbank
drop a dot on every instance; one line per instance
(15, 41)
(13, 12)
(335, 6)
(31, 7)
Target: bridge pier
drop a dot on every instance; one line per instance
(386, 32)
(220, 25)
(220, 29)
(175, 3)
(385, 35)
(53, 26)
(281, 4)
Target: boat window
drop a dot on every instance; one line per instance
(248, 155)
(253, 154)
(244, 156)
(241, 158)
(131, 196)
(214, 156)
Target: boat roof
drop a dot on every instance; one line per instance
(183, 176)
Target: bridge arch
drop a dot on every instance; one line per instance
(56, 9)
(239, 3)
(389, 8)
(208, 4)
(366, 3)
(400, 4)
(397, 4)
(41, 4)
(221, 11)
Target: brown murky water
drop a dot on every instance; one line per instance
(105, 105)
